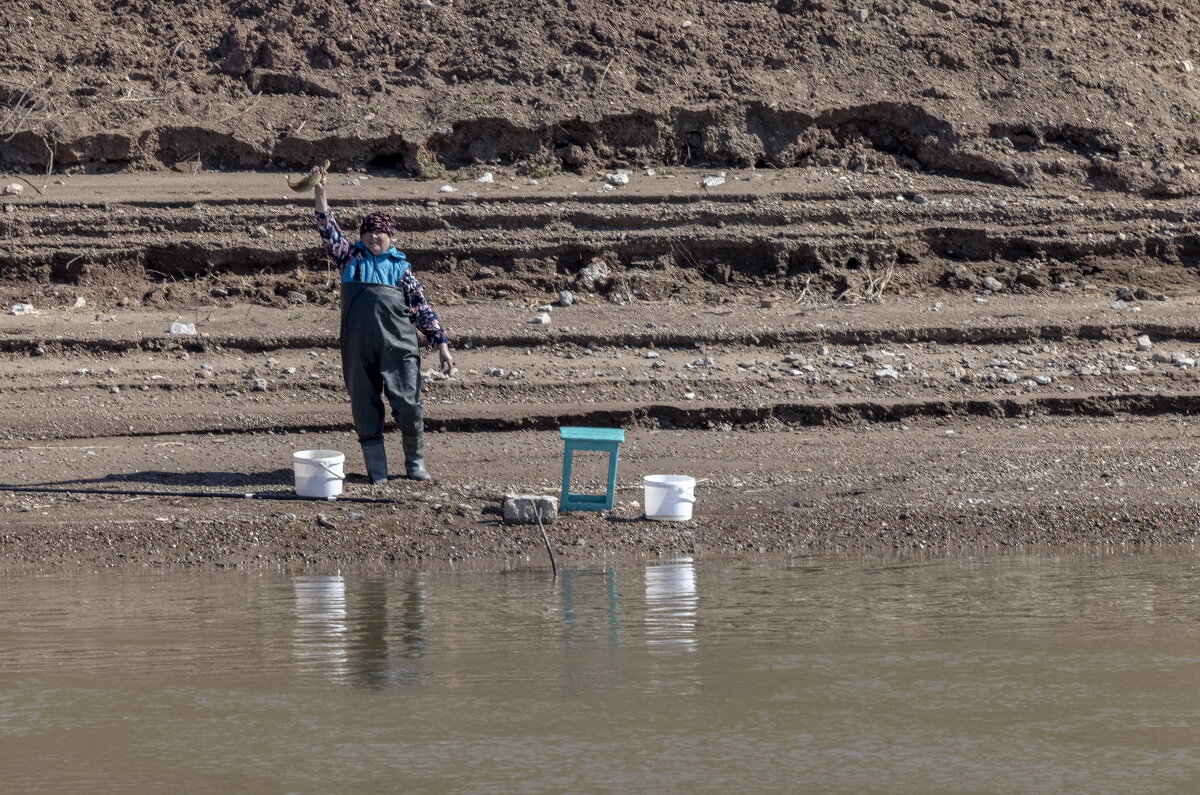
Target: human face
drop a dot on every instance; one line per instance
(376, 242)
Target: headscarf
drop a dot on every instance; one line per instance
(378, 222)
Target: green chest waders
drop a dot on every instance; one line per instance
(381, 358)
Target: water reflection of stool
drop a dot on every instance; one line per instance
(606, 440)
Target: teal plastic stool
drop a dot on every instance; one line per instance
(606, 440)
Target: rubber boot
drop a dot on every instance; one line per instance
(376, 457)
(414, 455)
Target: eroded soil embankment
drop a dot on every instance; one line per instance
(171, 241)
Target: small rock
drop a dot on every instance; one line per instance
(860, 14)
(616, 179)
(352, 183)
(296, 297)
(1184, 65)
(12, 189)
(259, 232)
(1144, 343)
(540, 320)
(260, 385)
(689, 395)
(183, 328)
(918, 198)
(446, 189)
(80, 302)
(595, 275)
(21, 309)
(993, 284)
(565, 297)
(485, 177)
(712, 181)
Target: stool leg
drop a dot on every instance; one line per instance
(563, 502)
(612, 476)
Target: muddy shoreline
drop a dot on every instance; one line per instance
(869, 431)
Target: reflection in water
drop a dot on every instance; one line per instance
(671, 605)
(591, 615)
(320, 634)
(591, 608)
(669, 615)
(344, 628)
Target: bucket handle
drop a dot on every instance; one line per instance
(328, 469)
(678, 489)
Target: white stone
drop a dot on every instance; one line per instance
(1144, 343)
(616, 178)
(486, 176)
(540, 320)
(12, 189)
(527, 508)
(1044, 380)
(80, 302)
(594, 275)
(712, 181)
(21, 309)
(183, 328)
(446, 189)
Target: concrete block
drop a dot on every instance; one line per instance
(524, 508)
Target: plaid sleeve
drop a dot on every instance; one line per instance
(422, 314)
(336, 243)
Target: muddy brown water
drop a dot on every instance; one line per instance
(1025, 673)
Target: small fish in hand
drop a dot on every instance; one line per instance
(310, 180)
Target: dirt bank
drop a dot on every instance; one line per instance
(1098, 93)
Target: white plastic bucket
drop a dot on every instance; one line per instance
(669, 497)
(318, 473)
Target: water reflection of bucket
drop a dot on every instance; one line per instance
(671, 604)
(669, 497)
(318, 473)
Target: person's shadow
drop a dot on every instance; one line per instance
(232, 480)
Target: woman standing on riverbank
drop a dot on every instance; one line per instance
(382, 306)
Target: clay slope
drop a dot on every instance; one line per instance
(1015, 92)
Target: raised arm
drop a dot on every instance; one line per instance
(336, 243)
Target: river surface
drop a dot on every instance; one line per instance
(1028, 673)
